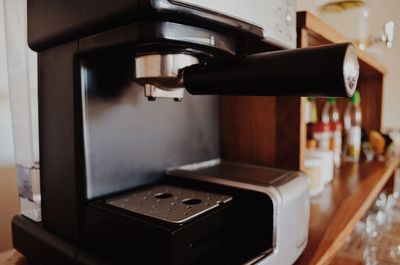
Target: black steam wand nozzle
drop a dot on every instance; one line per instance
(324, 71)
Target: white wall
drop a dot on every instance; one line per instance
(379, 13)
(6, 140)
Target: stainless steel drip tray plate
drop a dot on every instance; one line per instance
(169, 203)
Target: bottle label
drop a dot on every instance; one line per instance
(354, 141)
(336, 146)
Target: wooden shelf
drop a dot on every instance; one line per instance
(272, 131)
(319, 33)
(339, 260)
(342, 204)
(12, 257)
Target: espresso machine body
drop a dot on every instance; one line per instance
(123, 144)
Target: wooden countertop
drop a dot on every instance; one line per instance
(340, 260)
(334, 213)
(344, 201)
(12, 257)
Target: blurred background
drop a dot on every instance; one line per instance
(8, 182)
(365, 23)
(355, 26)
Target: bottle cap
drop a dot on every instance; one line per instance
(332, 100)
(335, 126)
(311, 98)
(356, 98)
(321, 127)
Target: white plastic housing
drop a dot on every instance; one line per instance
(276, 17)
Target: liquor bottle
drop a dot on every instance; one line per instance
(311, 118)
(352, 124)
(331, 117)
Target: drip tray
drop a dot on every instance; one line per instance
(169, 203)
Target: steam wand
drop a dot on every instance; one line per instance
(324, 71)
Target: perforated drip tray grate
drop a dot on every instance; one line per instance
(169, 203)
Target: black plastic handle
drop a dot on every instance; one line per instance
(324, 71)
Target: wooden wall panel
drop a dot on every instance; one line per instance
(289, 132)
(248, 129)
(262, 130)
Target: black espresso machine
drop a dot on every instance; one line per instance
(130, 166)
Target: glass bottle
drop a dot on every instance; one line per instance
(352, 124)
(330, 112)
(311, 118)
(330, 116)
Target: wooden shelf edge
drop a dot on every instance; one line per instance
(310, 22)
(347, 261)
(333, 241)
(12, 256)
(351, 194)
